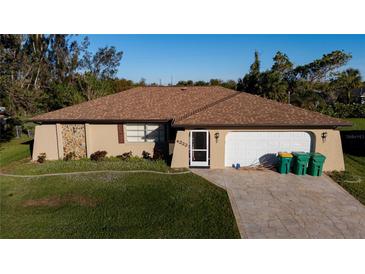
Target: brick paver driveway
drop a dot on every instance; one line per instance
(270, 205)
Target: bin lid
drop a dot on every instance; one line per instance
(317, 156)
(300, 153)
(285, 155)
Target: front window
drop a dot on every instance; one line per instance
(145, 133)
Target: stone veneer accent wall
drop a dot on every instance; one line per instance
(73, 136)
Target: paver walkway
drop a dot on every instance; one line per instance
(270, 205)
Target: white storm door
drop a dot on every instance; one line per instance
(199, 148)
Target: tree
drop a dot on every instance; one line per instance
(282, 64)
(321, 69)
(272, 86)
(92, 87)
(142, 82)
(201, 83)
(63, 58)
(122, 84)
(308, 99)
(274, 83)
(23, 71)
(103, 64)
(44, 72)
(215, 82)
(63, 95)
(251, 81)
(345, 83)
(185, 83)
(231, 84)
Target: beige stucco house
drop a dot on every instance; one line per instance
(196, 126)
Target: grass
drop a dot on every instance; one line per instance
(60, 166)
(13, 151)
(108, 205)
(353, 179)
(15, 159)
(358, 124)
(115, 206)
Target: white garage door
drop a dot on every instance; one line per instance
(261, 147)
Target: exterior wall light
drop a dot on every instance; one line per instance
(216, 136)
(324, 136)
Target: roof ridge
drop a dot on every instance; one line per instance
(289, 105)
(186, 115)
(268, 105)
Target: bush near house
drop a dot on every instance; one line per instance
(125, 155)
(158, 154)
(41, 158)
(70, 156)
(98, 155)
(146, 155)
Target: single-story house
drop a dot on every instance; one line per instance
(196, 126)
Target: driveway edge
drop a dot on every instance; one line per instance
(233, 206)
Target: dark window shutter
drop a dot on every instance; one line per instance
(120, 134)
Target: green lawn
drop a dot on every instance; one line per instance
(353, 179)
(115, 206)
(15, 159)
(357, 124)
(106, 205)
(27, 167)
(14, 150)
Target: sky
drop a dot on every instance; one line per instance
(203, 57)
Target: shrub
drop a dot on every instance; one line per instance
(158, 154)
(125, 156)
(341, 110)
(146, 155)
(42, 158)
(70, 156)
(98, 155)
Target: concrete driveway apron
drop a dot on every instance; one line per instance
(267, 204)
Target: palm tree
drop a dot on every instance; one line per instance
(308, 99)
(346, 82)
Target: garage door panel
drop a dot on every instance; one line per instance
(252, 148)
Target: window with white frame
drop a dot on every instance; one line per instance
(145, 133)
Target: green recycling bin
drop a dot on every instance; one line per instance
(316, 164)
(300, 163)
(284, 162)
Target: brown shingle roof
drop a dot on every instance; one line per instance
(247, 110)
(142, 103)
(191, 106)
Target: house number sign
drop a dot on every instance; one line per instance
(182, 143)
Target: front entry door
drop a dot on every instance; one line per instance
(199, 148)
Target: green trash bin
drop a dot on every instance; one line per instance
(316, 164)
(284, 162)
(300, 163)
